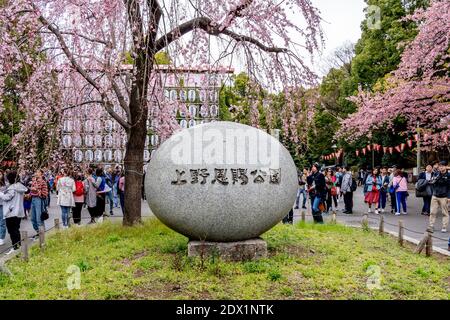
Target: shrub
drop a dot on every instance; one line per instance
(274, 275)
(255, 267)
(83, 265)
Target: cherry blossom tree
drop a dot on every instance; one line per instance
(418, 91)
(85, 44)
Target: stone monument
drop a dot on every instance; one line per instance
(222, 184)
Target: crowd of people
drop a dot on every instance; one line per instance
(326, 187)
(26, 195)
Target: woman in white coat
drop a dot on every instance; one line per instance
(13, 211)
(66, 188)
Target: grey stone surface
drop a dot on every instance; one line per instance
(213, 211)
(229, 251)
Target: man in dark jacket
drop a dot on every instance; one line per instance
(317, 191)
(426, 176)
(441, 193)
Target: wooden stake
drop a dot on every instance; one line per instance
(429, 245)
(41, 237)
(365, 221)
(333, 217)
(381, 228)
(422, 243)
(303, 216)
(400, 232)
(56, 223)
(24, 245)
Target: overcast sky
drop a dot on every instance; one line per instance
(341, 22)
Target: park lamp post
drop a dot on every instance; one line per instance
(419, 160)
(373, 154)
(334, 146)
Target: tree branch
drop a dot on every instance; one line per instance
(135, 20)
(106, 43)
(156, 14)
(106, 103)
(207, 25)
(235, 13)
(82, 104)
(120, 98)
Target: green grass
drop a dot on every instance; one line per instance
(150, 262)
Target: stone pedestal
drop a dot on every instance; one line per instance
(252, 249)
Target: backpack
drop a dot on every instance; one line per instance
(79, 188)
(354, 185)
(101, 187)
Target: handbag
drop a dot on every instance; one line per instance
(333, 191)
(322, 207)
(44, 213)
(421, 185)
(393, 188)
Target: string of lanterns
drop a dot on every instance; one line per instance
(378, 147)
(334, 155)
(391, 149)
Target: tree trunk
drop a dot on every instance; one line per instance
(133, 164)
(134, 157)
(134, 160)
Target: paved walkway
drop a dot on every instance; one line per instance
(414, 223)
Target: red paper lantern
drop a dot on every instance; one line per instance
(398, 148)
(402, 146)
(369, 147)
(385, 149)
(391, 150)
(364, 151)
(357, 153)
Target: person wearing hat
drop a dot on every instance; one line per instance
(441, 193)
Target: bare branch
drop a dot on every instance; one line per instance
(211, 28)
(135, 20)
(156, 14)
(120, 98)
(82, 104)
(81, 71)
(106, 43)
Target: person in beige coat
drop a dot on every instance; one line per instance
(65, 188)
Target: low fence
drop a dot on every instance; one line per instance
(26, 240)
(426, 241)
